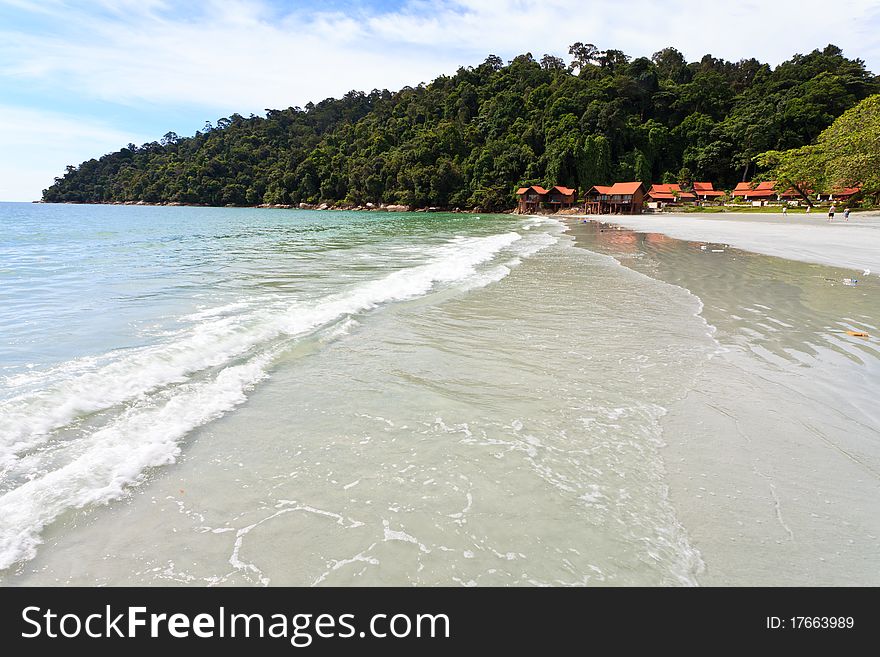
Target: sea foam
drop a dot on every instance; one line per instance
(153, 396)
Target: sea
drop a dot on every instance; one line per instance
(252, 397)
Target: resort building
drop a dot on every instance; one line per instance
(559, 198)
(840, 195)
(530, 199)
(619, 198)
(667, 194)
(762, 193)
(704, 191)
(791, 194)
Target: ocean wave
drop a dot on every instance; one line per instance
(148, 398)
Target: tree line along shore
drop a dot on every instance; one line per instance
(468, 141)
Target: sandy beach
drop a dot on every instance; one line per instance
(809, 238)
(773, 457)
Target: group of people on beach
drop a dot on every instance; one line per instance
(831, 213)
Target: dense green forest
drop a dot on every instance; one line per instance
(470, 139)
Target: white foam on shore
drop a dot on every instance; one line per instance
(154, 396)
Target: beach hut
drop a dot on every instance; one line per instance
(843, 194)
(530, 199)
(761, 193)
(669, 194)
(791, 195)
(559, 197)
(705, 191)
(619, 198)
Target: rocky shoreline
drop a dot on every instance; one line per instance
(380, 207)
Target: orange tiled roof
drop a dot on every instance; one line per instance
(625, 187)
(761, 190)
(564, 190)
(667, 188)
(537, 188)
(703, 187)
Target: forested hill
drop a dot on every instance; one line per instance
(469, 140)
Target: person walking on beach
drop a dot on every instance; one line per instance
(846, 213)
(784, 210)
(831, 212)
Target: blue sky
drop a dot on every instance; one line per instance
(79, 78)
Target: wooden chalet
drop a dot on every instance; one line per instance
(763, 192)
(791, 194)
(669, 194)
(619, 198)
(705, 191)
(843, 194)
(560, 197)
(530, 199)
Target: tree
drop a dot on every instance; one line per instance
(846, 154)
(685, 178)
(583, 55)
(551, 63)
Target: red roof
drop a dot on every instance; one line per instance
(792, 193)
(537, 188)
(567, 191)
(622, 188)
(668, 188)
(625, 187)
(662, 196)
(762, 190)
(706, 189)
(847, 191)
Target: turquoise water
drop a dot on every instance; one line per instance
(240, 396)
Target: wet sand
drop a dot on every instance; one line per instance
(854, 244)
(773, 458)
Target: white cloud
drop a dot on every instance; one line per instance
(235, 55)
(232, 57)
(38, 145)
(245, 55)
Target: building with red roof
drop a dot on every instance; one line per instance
(619, 198)
(841, 194)
(534, 198)
(669, 193)
(763, 191)
(705, 191)
(530, 199)
(560, 197)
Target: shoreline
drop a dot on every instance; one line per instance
(367, 207)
